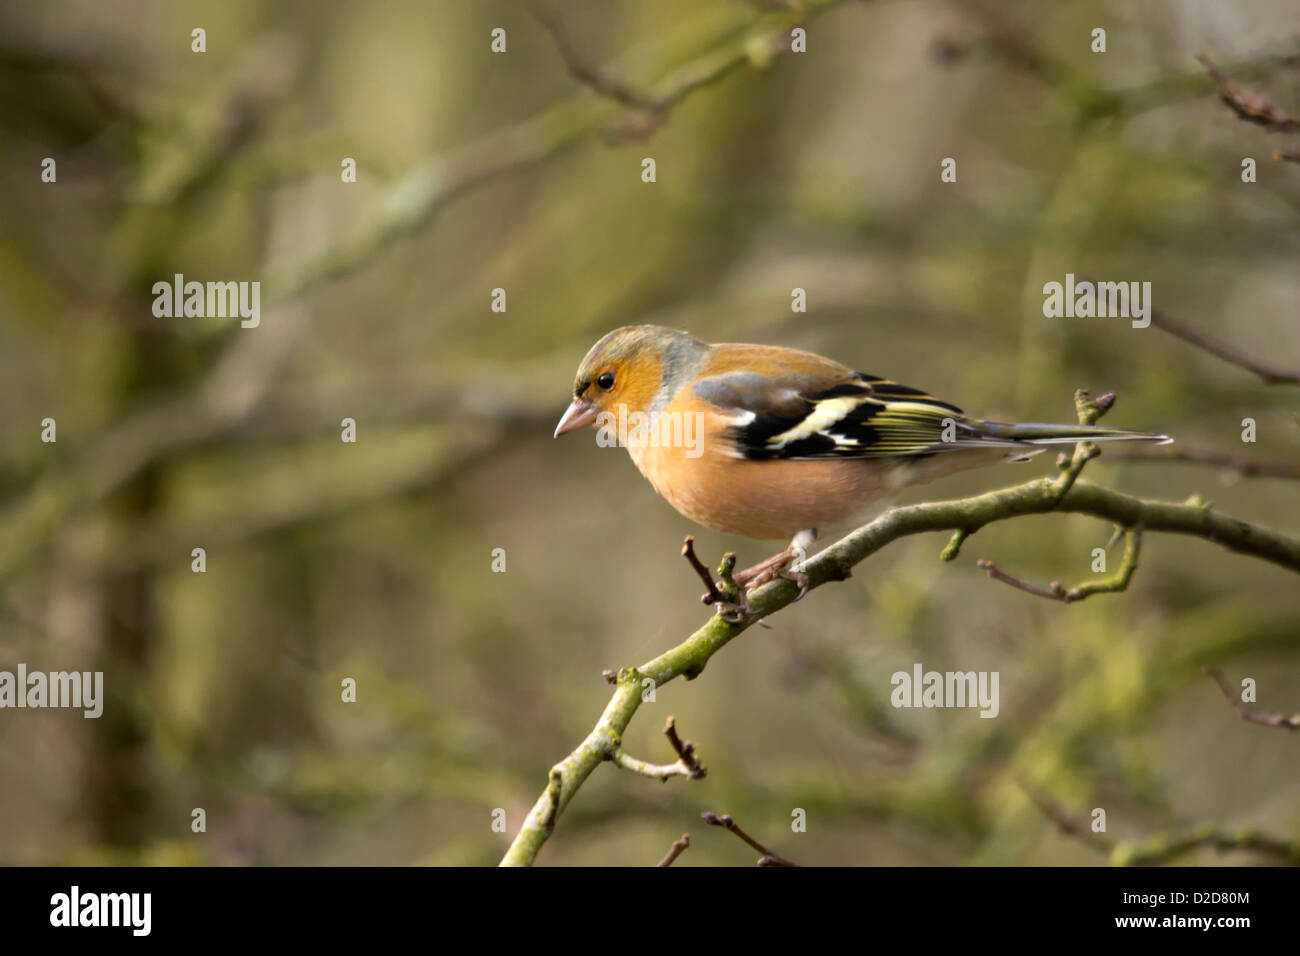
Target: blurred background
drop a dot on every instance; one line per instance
(373, 560)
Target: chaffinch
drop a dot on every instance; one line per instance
(768, 442)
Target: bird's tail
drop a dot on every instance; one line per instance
(1035, 433)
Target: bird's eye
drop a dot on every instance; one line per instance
(606, 380)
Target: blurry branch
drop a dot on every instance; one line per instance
(416, 197)
(1164, 847)
(1270, 374)
(965, 516)
(1240, 464)
(768, 858)
(225, 403)
(1251, 714)
(230, 393)
(1248, 105)
(1068, 823)
(1058, 592)
(581, 70)
(675, 850)
(1287, 155)
(1009, 40)
(686, 766)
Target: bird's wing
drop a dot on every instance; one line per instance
(854, 415)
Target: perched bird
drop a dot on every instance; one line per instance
(768, 442)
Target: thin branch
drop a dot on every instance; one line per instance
(1251, 714)
(1270, 374)
(768, 858)
(582, 71)
(1250, 106)
(728, 599)
(712, 595)
(1068, 823)
(684, 748)
(1088, 411)
(1041, 496)
(1055, 591)
(675, 850)
(1287, 155)
(687, 764)
(1239, 464)
(705, 71)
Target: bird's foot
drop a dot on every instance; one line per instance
(777, 566)
(783, 572)
(733, 612)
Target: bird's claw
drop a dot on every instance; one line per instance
(733, 612)
(784, 572)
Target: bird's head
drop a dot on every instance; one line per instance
(629, 367)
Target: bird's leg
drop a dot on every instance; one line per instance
(787, 564)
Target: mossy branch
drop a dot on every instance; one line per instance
(965, 516)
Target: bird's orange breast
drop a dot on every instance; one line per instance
(771, 499)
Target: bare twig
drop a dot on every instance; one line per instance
(729, 599)
(652, 107)
(675, 850)
(1287, 155)
(712, 595)
(1066, 822)
(1251, 714)
(1055, 591)
(953, 547)
(768, 858)
(578, 67)
(1270, 374)
(684, 748)
(687, 764)
(1248, 105)
(1088, 412)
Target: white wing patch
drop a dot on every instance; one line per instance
(824, 414)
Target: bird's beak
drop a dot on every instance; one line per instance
(577, 415)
